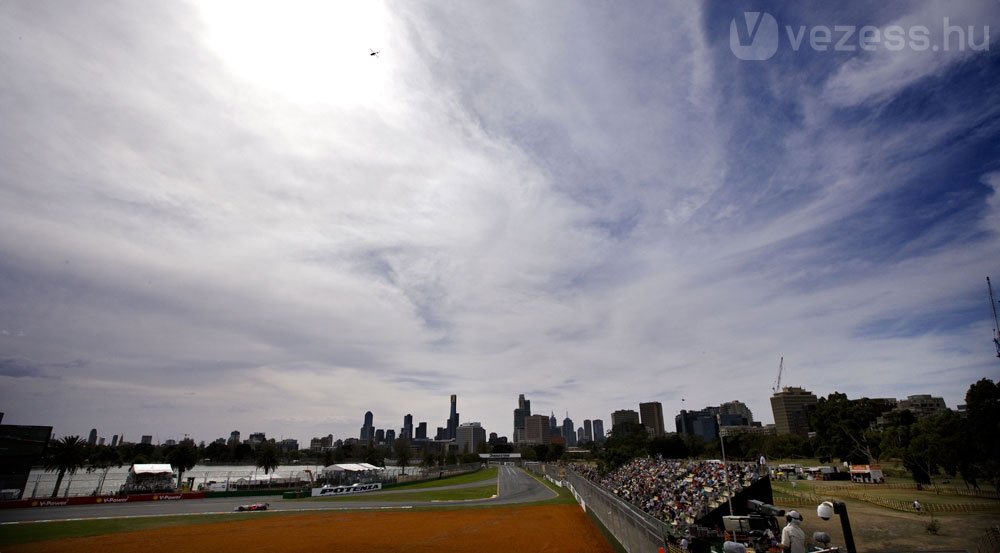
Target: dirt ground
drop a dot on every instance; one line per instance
(877, 529)
(548, 528)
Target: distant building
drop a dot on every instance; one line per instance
(234, 437)
(368, 428)
(623, 415)
(523, 410)
(599, 435)
(380, 436)
(789, 407)
(453, 418)
(469, 437)
(536, 430)
(170, 442)
(114, 440)
(407, 432)
(588, 431)
(736, 409)
(288, 444)
(922, 405)
(146, 439)
(421, 431)
(256, 438)
(698, 423)
(92, 439)
(390, 436)
(568, 432)
(652, 417)
(581, 437)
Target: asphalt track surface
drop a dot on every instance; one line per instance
(514, 485)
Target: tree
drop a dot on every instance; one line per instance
(402, 450)
(982, 451)
(182, 457)
(842, 426)
(103, 457)
(66, 455)
(267, 457)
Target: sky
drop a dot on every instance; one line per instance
(221, 216)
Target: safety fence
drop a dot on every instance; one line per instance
(787, 497)
(635, 531)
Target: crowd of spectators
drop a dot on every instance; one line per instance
(678, 492)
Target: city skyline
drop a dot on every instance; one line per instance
(203, 230)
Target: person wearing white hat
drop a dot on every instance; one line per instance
(793, 539)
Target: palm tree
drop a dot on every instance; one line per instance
(268, 457)
(183, 457)
(67, 454)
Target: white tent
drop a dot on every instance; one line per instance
(152, 468)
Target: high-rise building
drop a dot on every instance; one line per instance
(380, 436)
(536, 429)
(469, 437)
(623, 415)
(114, 440)
(568, 432)
(698, 423)
(588, 431)
(368, 428)
(599, 435)
(523, 410)
(234, 437)
(737, 408)
(407, 432)
(147, 439)
(390, 436)
(92, 439)
(652, 417)
(580, 436)
(421, 431)
(553, 423)
(453, 418)
(789, 409)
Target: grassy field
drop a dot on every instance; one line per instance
(478, 476)
(11, 534)
(450, 494)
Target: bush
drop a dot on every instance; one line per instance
(933, 527)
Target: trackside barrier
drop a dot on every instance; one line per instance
(98, 500)
(635, 531)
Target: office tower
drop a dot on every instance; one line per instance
(553, 423)
(588, 431)
(599, 435)
(697, 423)
(453, 418)
(92, 439)
(469, 437)
(580, 436)
(623, 415)
(922, 405)
(523, 410)
(234, 437)
(568, 432)
(147, 439)
(114, 440)
(536, 429)
(380, 436)
(789, 409)
(390, 436)
(737, 408)
(652, 417)
(368, 429)
(422, 431)
(407, 433)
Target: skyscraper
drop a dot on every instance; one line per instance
(407, 432)
(469, 437)
(599, 431)
(789, 409)
(652, 417)
(568, 432)
(588, 431)
(92, 439)
(536, 429)
(368, 429)
(523, 410)
(453, 418)
(421, 431)
(736, 408)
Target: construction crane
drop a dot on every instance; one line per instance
(777, 383)
(996, 324)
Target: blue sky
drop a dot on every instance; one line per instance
(226, 215)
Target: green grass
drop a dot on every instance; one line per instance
(478, 476)
(453, 494)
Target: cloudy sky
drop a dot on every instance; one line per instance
(220, 216)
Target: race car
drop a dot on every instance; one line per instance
(252, 507)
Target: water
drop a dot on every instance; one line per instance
(41, 483)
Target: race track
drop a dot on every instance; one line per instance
(514, 486)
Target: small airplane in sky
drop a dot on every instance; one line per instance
(374, 52)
